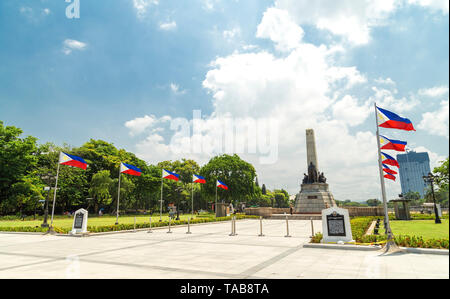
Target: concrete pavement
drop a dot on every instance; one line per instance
(207, 253)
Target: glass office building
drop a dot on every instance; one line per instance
(413, 166)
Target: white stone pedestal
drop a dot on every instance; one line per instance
(80, 220)
(336, 226)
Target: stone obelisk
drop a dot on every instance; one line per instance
(314, 195)
(311, 153)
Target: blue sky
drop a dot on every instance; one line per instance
(126, 65)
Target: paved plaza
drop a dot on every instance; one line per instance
(209, 252)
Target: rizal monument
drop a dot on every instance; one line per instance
(314, 195)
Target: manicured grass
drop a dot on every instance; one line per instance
(66, 223)
(424, 228)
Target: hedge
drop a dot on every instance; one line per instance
(124, 227)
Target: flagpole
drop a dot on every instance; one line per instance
(54, 194)
(118, 196)
(383, 186)
(192, 204)
(215, 205)
(160, 208)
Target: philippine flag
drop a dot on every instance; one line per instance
(390, 177)
(222, 185)
(198, 179)
(170, 175)
(130, 169)
(391, 120)
(388, 160)
(388, 170)
(74, 161)
(395, 145)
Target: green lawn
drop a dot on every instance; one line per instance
(425, 228)
(62, 222)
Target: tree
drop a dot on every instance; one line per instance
(17, 159)
(100, 186)
(264, 190)
(373, 202)
(442, 174)
(237, 174)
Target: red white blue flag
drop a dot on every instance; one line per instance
(222, 185)
(390, 120)
(390, 177)
(74, 161)
(170, 175)
(198, 179)
(387, 169)
(130, 169)
(389, 160)
(395, 145)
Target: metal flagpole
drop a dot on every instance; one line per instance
(192, 204)
(383, 186)
(215, 205)
(54, 194)
(160, 207)
(118, 195)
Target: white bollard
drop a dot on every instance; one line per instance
(260, 227)
(150, 230)
(235, 226)
(134, 223)
(312, 228)
(170, 220)
(189, 226)
(287, 227)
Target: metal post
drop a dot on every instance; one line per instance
(150, 230)
(287, 227)
(383, 186)
(51, 230)
(192, 202)
(134, 223)
(118, 198)
(170, 220)
(260, 226)
(215, 205)
(312, 228)
(189, 226)
(235, 225)
(160, 207)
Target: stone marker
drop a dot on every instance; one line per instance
(336, 226)
(80, 220)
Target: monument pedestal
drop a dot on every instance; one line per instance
(313, 198)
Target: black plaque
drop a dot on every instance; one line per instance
(79, 221)
(336, 225)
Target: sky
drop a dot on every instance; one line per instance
(138, 73)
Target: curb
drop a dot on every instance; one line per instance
(343, 247)
(375, 248)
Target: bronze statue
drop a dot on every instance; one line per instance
(312, 174)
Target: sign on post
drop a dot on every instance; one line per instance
(80, 220)
(336, 226)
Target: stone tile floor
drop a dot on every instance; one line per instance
(207, 253)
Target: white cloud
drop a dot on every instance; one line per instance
(168, 26)
(434, 92)
(436, 122)
(231, 34)
(141, 6)
(175, 88)
(276, 21)
(432, 4)
(347, 18)
(70, 45)
(386, 98)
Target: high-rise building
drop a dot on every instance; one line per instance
(413, 167)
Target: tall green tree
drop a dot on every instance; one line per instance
(17, 159)
(100, 189)
(238, 174)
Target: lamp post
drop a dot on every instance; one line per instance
(47, 178)
(430, 179)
